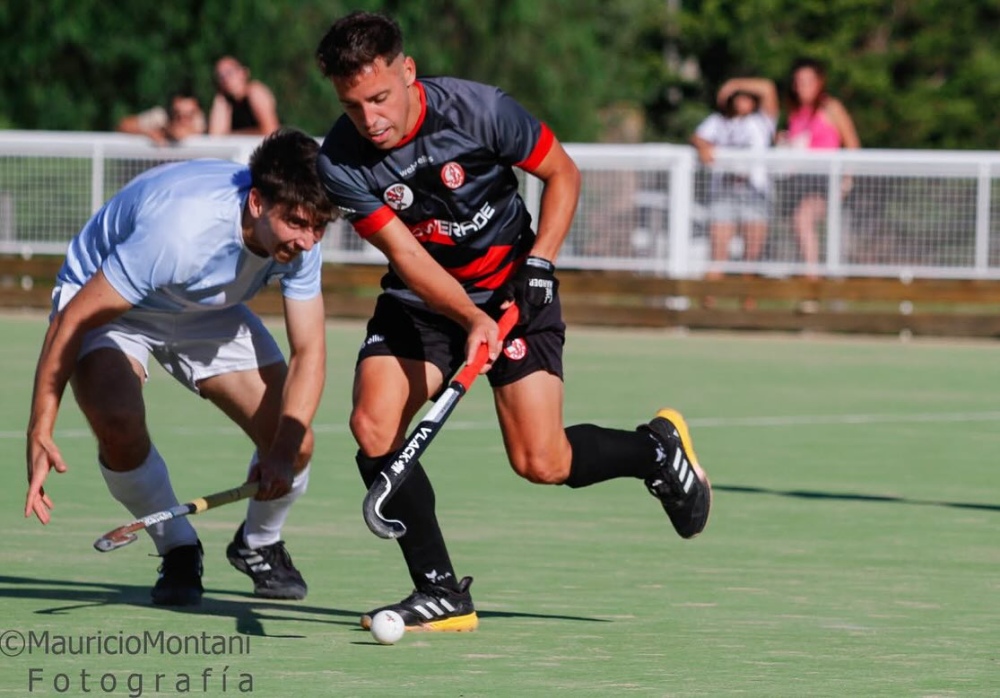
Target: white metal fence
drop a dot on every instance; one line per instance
(650, 208)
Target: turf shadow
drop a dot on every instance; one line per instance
(249, 615)
(848, 496)
(545, 616)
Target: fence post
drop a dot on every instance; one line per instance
(97, 178)
(834, 220)
(677, 263)
(533, 197)
(983, 185)
(7, 226)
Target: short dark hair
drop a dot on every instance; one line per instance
(356, 41)
(283, 170)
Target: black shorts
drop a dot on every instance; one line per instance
(401, 330)
(809, 185)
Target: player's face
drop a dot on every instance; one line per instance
(280, 233)
(379, 101)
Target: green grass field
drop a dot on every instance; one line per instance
(854, 547)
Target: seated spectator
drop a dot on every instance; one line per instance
(183, 118)
(746, 118)
(241, 106)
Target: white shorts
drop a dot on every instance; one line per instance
(190, 346)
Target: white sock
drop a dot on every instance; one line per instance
(265, 519)
(146, 490)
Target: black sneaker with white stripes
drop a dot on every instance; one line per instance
(179, 583)
(434, 607)
(679, 482)
(269, 566)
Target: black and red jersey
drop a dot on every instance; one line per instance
(450, 180)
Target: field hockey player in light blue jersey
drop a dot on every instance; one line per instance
(163, 269)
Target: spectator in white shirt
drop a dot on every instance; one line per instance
(747, 118)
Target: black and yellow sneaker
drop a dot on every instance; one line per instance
(269, 566)
(679, 482)
(179, 583)
(434, 607)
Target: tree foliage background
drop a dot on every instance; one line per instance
(913, 73)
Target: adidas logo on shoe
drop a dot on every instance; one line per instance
(679, 482)
(434, 607)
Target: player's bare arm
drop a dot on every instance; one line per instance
(305, 326)
(533, 286)
(560, 195)
(96, 304)
(436, 287)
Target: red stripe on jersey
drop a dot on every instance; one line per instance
(484, 265)
(373, 222)
(420, 120)
(545, 140)
(430, 231)
(494, 281)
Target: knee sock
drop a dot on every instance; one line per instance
(265, 519)
(145, 490)
(423, 545)
(601, 454)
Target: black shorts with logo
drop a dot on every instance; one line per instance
(401, 330)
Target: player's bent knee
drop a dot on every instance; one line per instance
(122, 437)
(370, 434)
(116, 424)
(541, 470)
(123, 452)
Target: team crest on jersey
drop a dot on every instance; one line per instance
(398, 197)
(453, 175)
(515, 349)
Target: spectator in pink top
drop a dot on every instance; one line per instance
(816, 120)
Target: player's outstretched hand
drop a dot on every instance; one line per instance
(275, 477)
(42, 456)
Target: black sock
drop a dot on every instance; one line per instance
(423, 545)
(601, 454)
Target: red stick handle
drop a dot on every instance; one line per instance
(471, 370)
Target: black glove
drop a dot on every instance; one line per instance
(533, 287)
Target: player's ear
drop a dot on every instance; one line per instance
(409, 70)
(255, 202)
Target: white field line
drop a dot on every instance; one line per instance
(701, 423)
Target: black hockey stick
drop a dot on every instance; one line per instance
(401, 465)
